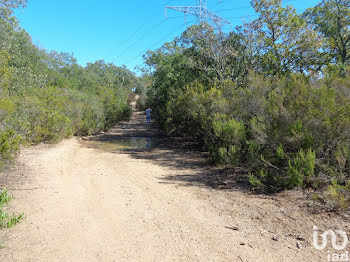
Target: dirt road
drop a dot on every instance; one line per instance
(126, 196)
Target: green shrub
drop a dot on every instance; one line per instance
(301, 168)
(9, 147)
(227, 146)
(288, 130)
(338, 196)
(298, 116)
(257, 181)
(7, 220)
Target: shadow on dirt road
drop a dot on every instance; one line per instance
(142, 141)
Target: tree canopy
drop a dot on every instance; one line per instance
(331, 19)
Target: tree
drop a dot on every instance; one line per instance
(10, 4)
(4, 72)
(283, 41)
(332, 19)
(220, 56)
(6, 9)
(171, 71)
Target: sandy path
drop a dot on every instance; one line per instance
(86, 204)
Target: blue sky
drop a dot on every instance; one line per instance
(119, 31)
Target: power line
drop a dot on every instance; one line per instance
(201, 12)
(144, 35)
(139, 39)
(135, 32)
(156, 43)
(245, 7)
(234, 8)
(159, 24)
(167, 35)
(131, 35)
(246, 16)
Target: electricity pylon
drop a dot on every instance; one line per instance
(201, 12)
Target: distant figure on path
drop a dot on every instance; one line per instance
(148, 115)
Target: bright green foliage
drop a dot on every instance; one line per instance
(256, 181)
(229, 136)
(7, 220)
(301, 169)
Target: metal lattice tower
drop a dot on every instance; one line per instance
(201, 12)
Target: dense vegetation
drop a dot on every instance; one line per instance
(273, 95)
(46, 96)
